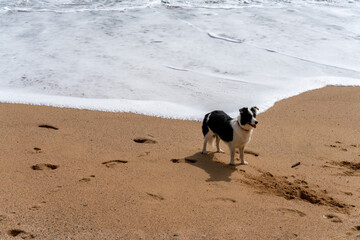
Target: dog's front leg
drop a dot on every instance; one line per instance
(232, 155)
(242, 149)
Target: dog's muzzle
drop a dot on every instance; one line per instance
(254, 125)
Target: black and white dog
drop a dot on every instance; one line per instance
(235, 132)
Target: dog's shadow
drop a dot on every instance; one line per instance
(218, 171)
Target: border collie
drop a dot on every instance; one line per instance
(235, 132)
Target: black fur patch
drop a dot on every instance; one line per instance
(254, 110)
(220, 123)
(245, 116)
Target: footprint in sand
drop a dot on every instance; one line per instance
(35, 150)
(225, 200)
(292, 211)
(48, 127)
(87, 179)
(155, 196)
(353, 168)
(20, 233)
(344, 147)
(144, 154)
(44, 166)
(338, 145)
(113, 163)
(351, 165)
(144, 140)
(333, 218)
(183, 160)
(35, 208)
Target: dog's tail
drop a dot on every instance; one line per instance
(205, 130)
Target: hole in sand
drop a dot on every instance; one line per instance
(15, 232)
(20, 233)
(144, 140)
(48, 126)
(44, 166)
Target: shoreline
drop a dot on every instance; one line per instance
(98, 175)
(140, 107)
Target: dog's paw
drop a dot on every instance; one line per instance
(220, 151)
(244, 163)
(204, 152)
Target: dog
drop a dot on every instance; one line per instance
(235, 132)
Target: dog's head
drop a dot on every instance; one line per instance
(247, 118)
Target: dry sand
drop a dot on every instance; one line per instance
(90, 179)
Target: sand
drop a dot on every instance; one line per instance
(78, 174)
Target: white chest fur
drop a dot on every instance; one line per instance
(241, 136)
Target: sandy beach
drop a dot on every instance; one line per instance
(78, 174)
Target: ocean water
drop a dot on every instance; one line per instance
(174, 58)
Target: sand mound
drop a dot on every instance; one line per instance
(297, 189)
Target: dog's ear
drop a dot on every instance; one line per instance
(254, 110)
(242, 110)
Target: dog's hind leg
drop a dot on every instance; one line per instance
(243, 162)
(207, 138)
(218, 145)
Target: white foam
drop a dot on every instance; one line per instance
(152, 108)
(176, 59)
